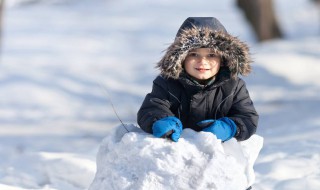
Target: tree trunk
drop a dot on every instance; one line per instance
(317, 2)
(261, 16)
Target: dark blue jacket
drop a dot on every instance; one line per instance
(192, 103)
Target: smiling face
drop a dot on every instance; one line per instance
(202, 63)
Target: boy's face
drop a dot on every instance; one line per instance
(202, 63)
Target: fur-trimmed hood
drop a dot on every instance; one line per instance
(194, 33)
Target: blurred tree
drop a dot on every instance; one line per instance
(261, 16)
(317, 2)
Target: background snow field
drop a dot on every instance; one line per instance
(59, 57)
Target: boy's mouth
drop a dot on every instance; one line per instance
(202, 69)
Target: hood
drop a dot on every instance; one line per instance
(205, 32)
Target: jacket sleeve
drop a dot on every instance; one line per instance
(155, 105)
(243, 113)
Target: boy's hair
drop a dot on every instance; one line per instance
(205, 32)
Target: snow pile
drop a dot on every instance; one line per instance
(137, 160)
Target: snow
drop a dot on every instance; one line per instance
(137, 160)
(63, 61)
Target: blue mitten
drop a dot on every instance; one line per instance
(223, 128)
(168, 126)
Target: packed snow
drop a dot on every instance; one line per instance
(63, 61)
(136, 160)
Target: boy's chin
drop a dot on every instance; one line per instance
(203, 78)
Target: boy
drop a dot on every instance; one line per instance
(199, 88)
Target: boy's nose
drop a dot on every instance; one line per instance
(203, 59)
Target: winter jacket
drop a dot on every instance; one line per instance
(175, 93)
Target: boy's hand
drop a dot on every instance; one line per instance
(168, 127)
(223, 128)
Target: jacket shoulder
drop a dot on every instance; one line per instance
(165, 83)
(240, 84)
(235, 82)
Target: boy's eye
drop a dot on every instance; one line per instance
(212, 55)
(193, 54)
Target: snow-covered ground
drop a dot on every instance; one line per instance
(61, 62)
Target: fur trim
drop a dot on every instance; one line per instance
(233, 52)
